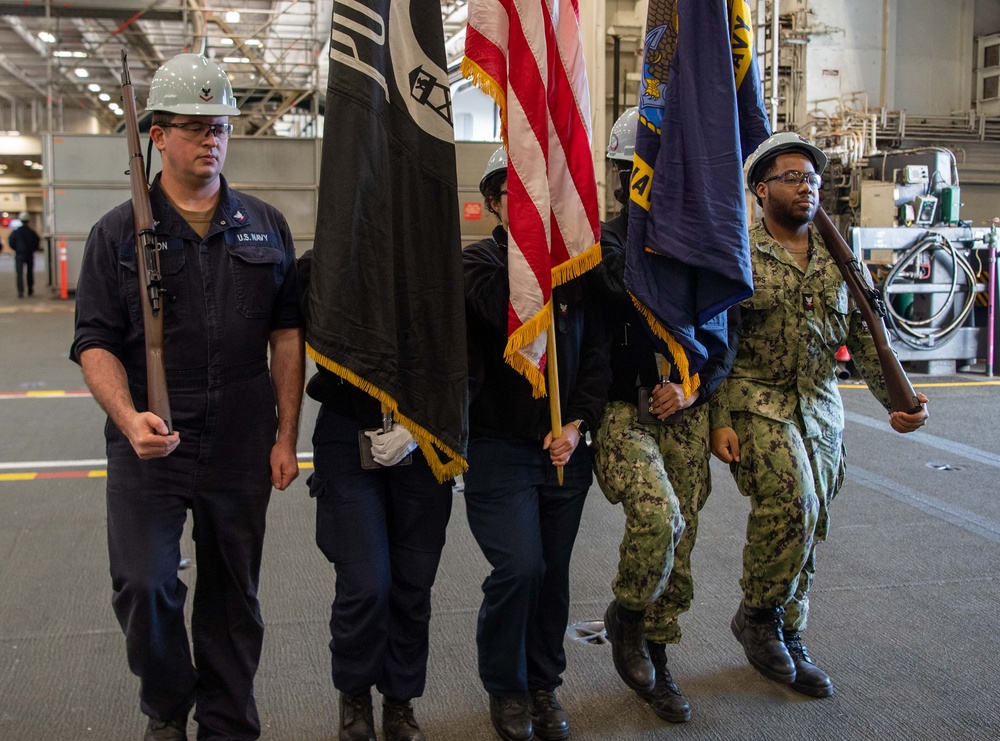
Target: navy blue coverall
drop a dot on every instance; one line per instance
(226, 294)
(383, 530)
(524, 521)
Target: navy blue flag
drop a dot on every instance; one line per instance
(701, 113)
(386, 302)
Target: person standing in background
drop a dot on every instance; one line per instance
(25, 243)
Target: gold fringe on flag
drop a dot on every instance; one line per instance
(522, 337)
(689, 383)
(576, 266)
(491, 87)
(429, 444)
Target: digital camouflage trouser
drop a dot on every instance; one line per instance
(660, 475)
(791, 481)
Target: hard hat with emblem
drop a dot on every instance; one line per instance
(621, 143)
(497, 162)
(192, 85)
(786, 141)
(24, 216)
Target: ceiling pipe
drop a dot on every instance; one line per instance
(199, 37)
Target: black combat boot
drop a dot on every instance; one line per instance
(666, 699)
(809, 678)
(628, 647)
(511, 717)
(547, 716)
(398, 722)
(759, 631)
(174, 729)
(356, 718)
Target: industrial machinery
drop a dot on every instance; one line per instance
(903, 210)
(932, 278)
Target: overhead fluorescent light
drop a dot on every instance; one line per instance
(253, 42)
(94, 87)
(104, 97)
(236, 60)
(226, 41)
(47, 37)
(81, 72)
(232, 16)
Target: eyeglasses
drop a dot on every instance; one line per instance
(794, 177)
(197, 131)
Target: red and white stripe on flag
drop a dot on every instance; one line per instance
(528, 56)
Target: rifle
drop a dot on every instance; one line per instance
(147, 259)
(902, 397)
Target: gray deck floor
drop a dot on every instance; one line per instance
(905, 605)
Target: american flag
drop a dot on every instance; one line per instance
(528, 56)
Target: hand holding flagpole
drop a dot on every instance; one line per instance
(553, 372)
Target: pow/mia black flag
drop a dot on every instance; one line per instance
(386, 300)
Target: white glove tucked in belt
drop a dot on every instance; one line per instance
(389, 448)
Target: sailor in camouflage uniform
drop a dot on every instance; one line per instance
(778, 419)
(657, 470)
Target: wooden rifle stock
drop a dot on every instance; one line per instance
(902, 397)
(147, 259)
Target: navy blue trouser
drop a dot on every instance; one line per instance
(221, 472)
(25, 265)
(526, 525)
(383, 530)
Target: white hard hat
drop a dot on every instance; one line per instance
(498, 161)
(24, 216)
(786, 141)
(621, 144)
(193, 85)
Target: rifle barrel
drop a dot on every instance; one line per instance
(902, 397)
(147, 259)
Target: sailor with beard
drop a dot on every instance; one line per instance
(778, 419)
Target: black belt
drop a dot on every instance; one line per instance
(198, 378)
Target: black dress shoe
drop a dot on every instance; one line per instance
(759, 631)
(666, 699)
(398, 722)
(511, 718)
(174, 729)
(809, 678)
(356, 718)
(547, 716)
(624, 629)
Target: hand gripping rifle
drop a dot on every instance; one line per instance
(147, 259)
(902, 398)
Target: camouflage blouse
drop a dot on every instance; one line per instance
(790, 330)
